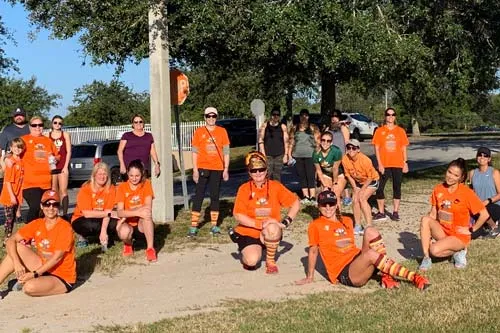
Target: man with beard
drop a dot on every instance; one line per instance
(17, 129)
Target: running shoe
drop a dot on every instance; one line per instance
(151, 255)
(492, 234)
(358, 229)
(425, 264)
(395, 216)
(421, 282)
(271, 269)
(304, 201)
(347, 201)
(128, 250)
(193, 231)
(388, 282)
(215, 230)
(82, 243)
(460, 259)
(379, 217)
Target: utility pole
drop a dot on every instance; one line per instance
(161, 124)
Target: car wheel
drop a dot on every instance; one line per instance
(356, 135)
(115, 176)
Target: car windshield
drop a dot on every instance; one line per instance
(361, 117)
(83, 151)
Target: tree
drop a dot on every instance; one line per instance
(102, 104)
(6, 63)
(34, 99)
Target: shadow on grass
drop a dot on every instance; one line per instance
(412, 248)
(225, 210)
(86, 264)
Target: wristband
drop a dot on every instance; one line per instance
(490, 201)
(286, 221)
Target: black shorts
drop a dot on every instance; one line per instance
(244, 241)
(55, 171)
(343, 277)
(373, 184)
(69, 286)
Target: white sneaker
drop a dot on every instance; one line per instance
(358, 229)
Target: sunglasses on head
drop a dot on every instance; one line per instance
(326, 140)
(138, 121)
(207, 116)
(258, 170)
(36, 125)
(351, 147)
(57, 123)
(54, 204)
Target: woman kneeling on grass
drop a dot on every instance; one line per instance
(134, 199)
(94, 215)
(448, 221)
(257, 209)
(52, 269)
(333, 235)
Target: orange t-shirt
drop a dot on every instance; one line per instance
(60, 237)
(335, 240)
(210, 148)
(13, 175)
(36, 161)
(87, 199)
(391, 143)
(454, 210)
(133, 199)
(361, 169)
(261, 203)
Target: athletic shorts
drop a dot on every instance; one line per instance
(69, 286)
(343, 277)
(373, 184)
(55, 171)
(244, 241)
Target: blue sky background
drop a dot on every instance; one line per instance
(57, 64)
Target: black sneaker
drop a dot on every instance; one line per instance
(379, 217)
(394, 216)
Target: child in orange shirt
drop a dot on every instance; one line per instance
(12, 195)
(134, 200)
(332, 235)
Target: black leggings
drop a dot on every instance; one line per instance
(306, 171)
(92, 226)
(396, 174)
(213, 179)
(33, 197)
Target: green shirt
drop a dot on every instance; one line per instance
(326, 162)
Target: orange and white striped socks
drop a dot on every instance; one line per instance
(195, 219)
(214, 217)
(271, 248)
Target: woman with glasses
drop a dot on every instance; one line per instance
(49, 267)
(39, 159)
(257, 209)
(363, 177)
(390, 142)
(448, 222)
(210, 164)
(485, 181)
(60, 175)
(304, 140)
(327, 161)
(333, 237)
(138, 144)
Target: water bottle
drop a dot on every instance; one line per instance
(52, 162)
(291, 161)
(17, 286)
(104, 247)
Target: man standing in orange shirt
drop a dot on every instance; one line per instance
(210, 163)
(390, 142)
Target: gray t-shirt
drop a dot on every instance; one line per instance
(304, 144)
(11, 132)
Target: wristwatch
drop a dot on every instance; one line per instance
(35, 274)
(109, 215)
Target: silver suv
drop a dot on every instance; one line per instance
(85, 155)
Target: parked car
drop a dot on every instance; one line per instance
(85, 155)
(485, 128)
(360, 126)
(241, 132)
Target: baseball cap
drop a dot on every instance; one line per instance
(483, 150)
(353, 142)
(210, 109)
(19, 112)
(327, 197)
(50, 195)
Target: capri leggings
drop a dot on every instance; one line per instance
(396, 174)
(305, 169)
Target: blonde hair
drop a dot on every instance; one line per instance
(36, 118)
(97, 167)
(18, 142)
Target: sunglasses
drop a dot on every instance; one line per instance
(258, 170)
(328, 204)
(138, 122)
(350, 147)
(390, 115)
(57, 123)
(275, 114)
(51, 204)
(325, 140)
(483, 155)
(208, 116)
(36, 125)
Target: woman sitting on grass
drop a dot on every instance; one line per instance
(134, 199)
(51, 270)
(257, 209)
(448, 221)
(333, 236)
(94, 214)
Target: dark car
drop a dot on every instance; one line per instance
(485, 128)
(241, 132)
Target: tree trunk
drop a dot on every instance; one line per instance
(289, 102)
(414, 127)
(327, 92)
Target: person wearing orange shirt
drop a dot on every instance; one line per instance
(210, 164)
(12, 196)
(134, 203)
(359, 170)
(390, 142)
(51, 270)
(94, 214)
(452, 204)
(40, 156)
(257, 209)
(332, 235)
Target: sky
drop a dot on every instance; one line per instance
(57, 64)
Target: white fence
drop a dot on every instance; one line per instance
(82, 134)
